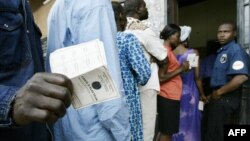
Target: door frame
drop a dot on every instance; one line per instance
(241, 23)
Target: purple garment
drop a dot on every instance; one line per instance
(190, 116)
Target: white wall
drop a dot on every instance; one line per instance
(157, 14)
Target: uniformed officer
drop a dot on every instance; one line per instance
(230, 71)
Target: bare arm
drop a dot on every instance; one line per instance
(165, 76)
(199, 81)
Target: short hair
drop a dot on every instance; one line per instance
(118, 10)
(169, 30)
(130, 6)
(233, 24)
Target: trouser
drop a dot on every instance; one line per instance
(31, 132)
(149, 111)
(219, 112)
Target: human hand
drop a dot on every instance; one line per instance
(215, 95)
(153, 59)
(185, 66)
(204, 98)
(44, 98)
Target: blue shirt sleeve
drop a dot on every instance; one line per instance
(239, 63)
(137, 60)
(7, 95)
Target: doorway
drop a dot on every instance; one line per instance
(204, 16)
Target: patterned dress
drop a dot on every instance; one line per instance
(190, 116)
(135, 70)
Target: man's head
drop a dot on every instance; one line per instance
(171, 35)
(120, 17)
(226, 32)
(136, 8)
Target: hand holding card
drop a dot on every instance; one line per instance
(193, 60)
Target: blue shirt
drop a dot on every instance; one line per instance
(231, 60)
(72, 22)
(20, 58)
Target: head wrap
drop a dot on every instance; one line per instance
(185, 32)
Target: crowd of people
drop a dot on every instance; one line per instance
(157, 83)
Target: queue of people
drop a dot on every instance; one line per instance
(153, 74)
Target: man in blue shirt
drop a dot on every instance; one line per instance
(71, 22)
(231, 70)
(27, 97)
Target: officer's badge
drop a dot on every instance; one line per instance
(223, 58)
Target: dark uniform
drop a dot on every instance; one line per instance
(231, 60)
(20, 59)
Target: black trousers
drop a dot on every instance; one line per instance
(220, 112)
(32, 132)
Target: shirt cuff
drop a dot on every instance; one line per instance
(5, 106)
